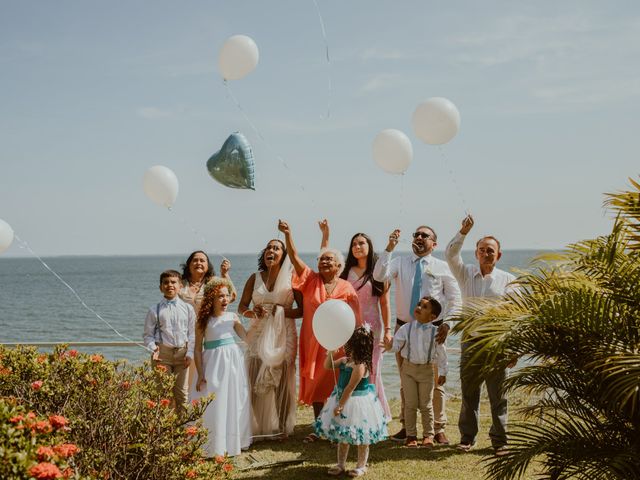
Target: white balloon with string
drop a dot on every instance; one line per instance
(436, 121)
(6, 235)
(238, 57)
(333, 324)
(160, 184)
(392, 151)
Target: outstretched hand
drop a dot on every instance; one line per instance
(283, 227)
(225, 266)
(467, 224)
(394, 238)
(324, 226)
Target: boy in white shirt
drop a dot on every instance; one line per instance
(169, 332)
(423, 359)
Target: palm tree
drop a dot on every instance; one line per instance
(576, 322)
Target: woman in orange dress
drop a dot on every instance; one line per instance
(316, 383)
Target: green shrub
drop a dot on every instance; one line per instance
(120, 416)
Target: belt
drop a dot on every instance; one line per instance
(211, 344)
(171, 346)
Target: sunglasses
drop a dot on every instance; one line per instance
(421, 235)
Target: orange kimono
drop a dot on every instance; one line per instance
(316, 383)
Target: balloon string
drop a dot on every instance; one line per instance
(24, 245)
(402, 212)
(197, 234)
(326, 47)
(453, 180)
(264, 140)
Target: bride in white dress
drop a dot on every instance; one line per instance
(221, 371)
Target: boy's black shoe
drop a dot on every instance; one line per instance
(401, 436)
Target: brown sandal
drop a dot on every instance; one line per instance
(311, 438)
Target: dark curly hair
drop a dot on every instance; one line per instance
(359, 348)
(262, 267)
(186, 274)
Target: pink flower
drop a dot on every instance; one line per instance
(73, 353)
(65, 450)
(58, 421)
(45, 471)
(37, 385)
(219, 459)
(45, 453)
(96, 358)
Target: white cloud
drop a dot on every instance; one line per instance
(381, 82)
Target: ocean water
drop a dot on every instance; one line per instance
(37, 307)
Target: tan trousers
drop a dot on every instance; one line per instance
(439, 396)
(418, 386)
(173, 359)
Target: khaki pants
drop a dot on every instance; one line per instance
(173, 359)
(418, 386)
(439, 396)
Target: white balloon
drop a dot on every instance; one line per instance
(6, 235)
(238, 57)
(160, 184)
(436, 121)
(333, 324)
(392, 151)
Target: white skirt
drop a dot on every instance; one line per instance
(228, 416)
(362, 421)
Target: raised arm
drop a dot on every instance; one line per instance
(452, 252)
(324, 228)
(298, 265)
(384, 270)
(225, 267)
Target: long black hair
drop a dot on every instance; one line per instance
(372, 258)
(262, 267)
(359, 348)
(186, 274)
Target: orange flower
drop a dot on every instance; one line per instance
(5, 371)
(41, 358)
(219, 459)
(73, 353)
(58, 421)
(191, 431)
(151, 404)
(67, 472)
(165, 402)
(16, 419)
(45, 453)
(31, 415)
(227, 467)
(45, 471)
(65, 450)
(161, 368)
(97, 358)
(195, 402)
(192, 474)
(41, 427)
(126, 385)
(37, 385)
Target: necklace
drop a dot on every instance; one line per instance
(330, 286)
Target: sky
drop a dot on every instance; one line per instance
(93, 94)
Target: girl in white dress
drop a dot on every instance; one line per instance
(221, 371)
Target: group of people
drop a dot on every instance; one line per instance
(255, 389)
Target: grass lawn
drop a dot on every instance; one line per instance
(387, 460)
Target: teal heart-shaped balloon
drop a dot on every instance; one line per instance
(232, 165)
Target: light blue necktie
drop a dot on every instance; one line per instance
(417, 285)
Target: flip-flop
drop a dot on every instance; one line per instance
(357, 472)
(311, 438)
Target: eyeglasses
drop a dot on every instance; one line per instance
(421, 235)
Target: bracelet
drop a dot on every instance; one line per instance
(387, 328)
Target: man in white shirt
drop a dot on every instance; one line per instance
(420, 275)
(169, 332)
(481, 280)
